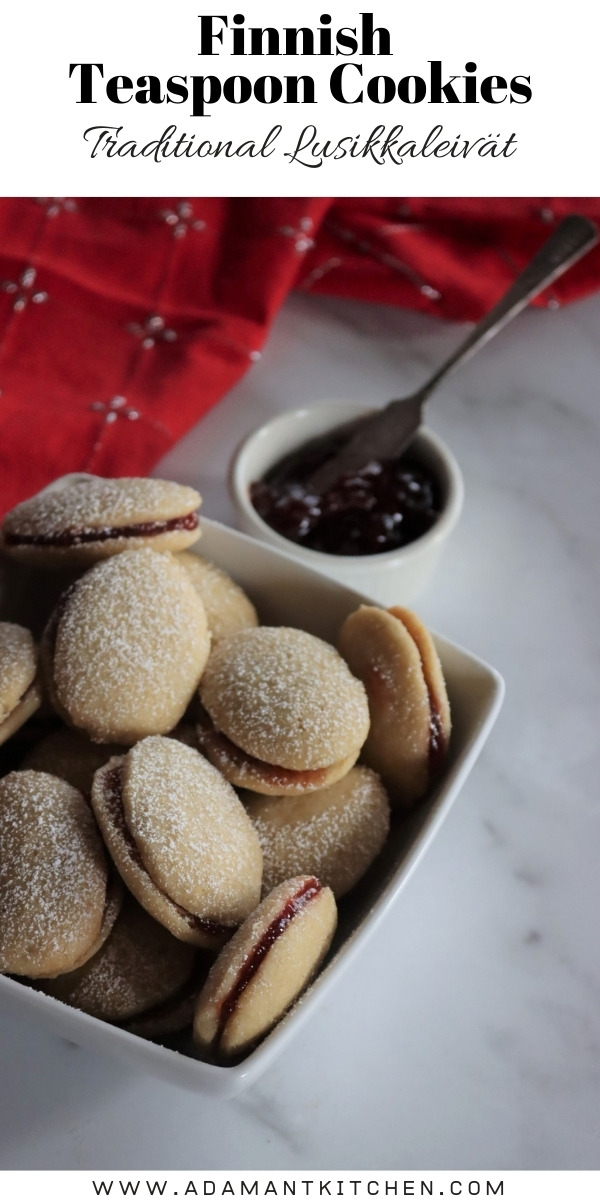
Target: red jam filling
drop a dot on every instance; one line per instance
(295, 904)
(80, 537)
(229, 754)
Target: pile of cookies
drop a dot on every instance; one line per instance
(186, 809)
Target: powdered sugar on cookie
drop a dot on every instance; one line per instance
(285, 696)
(194, 837)
(130, 645)
(53, 875)
(18, 664)
(95, 503)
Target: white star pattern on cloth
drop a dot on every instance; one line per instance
(389, 260)
(152, 330)
(117, 407)
(112, 412)
(21, 290)
(302, 240)
(56, 204)
(181, 219)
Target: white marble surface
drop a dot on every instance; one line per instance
(468, 1035)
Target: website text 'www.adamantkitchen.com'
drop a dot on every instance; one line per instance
(381, 1186)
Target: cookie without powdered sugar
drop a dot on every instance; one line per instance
(91, 518)
(180, 839)
(126, 647)
(394, 655)
(283, 714)
(265, 966)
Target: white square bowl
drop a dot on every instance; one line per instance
(285, 591)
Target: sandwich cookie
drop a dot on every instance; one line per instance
(283, 714)
(139, 966)
(334, 834)
(56, 907)
(93, 518)
(180, 839)
(20, 692)
(394, 655)
(125, 648)
(228, 609)
(265, 966)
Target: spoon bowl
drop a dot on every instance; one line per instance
(393, 577)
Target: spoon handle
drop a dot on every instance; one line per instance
(570, 241)
(389, 430)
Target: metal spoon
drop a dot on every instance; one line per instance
(390, 430)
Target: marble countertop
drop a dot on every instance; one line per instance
(467, 1035)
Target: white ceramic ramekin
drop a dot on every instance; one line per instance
(395, 577)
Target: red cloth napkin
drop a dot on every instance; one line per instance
(123, 320)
